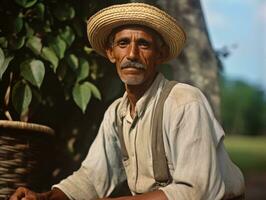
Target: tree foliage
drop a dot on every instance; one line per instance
(50, 75)
(243, 108)
(40, 39)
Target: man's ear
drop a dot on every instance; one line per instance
(163, 52)
(110, 54)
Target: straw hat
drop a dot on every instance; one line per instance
(101, 24)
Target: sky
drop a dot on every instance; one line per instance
(241, 26)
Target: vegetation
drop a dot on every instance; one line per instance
(48, 73)
(43, 45)
(243, 108)
(249, 153)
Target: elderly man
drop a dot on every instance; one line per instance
(189, 161)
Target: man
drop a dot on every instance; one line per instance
(138, 37)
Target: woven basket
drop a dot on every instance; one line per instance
(24, 148)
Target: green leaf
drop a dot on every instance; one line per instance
(35, 44)
(17, 42)
(3, 42)
(73, 62)
(5, 65)
(21, 42)
(4, 61)
(18, 24)
(61, 72)
(21, 97)
(96, 93)
(81, 95)
(83, 70)
(64, 12)
(33, 71)
(59, 46)
(26, 3)
(2, 57)
(47, 26)
(94, 70)
(29, 30)
(49, 55)
(39, 10)
(67, 35)
(88, 50)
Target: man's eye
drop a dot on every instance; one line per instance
(144, 44)
(122, 43)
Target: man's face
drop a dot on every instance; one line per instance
(135, 52)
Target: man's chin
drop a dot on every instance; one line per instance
(133, 81)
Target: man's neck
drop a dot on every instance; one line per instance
(135, 92)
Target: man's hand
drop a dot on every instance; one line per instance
(24, 194)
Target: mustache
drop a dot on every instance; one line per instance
(133, 64)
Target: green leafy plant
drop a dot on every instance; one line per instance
(49, 73)
(42, 39)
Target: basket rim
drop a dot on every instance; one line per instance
(27, 126)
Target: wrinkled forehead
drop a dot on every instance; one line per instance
(146, 29)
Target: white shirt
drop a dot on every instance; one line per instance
(193, 142)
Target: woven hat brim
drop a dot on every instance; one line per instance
(101, 24)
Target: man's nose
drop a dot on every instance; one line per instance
(133, 52)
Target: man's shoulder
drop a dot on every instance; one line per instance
(183, 94)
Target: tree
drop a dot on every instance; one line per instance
(198, 63)
(243, 108)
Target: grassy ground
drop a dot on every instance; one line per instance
(249, 153)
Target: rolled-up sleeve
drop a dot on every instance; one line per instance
(191, 151)
(102, 170)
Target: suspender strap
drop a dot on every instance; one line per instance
(160, 165)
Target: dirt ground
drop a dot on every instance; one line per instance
(255, 186)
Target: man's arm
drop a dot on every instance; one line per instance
(26, 194)
(102, 170)
(194, 163)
